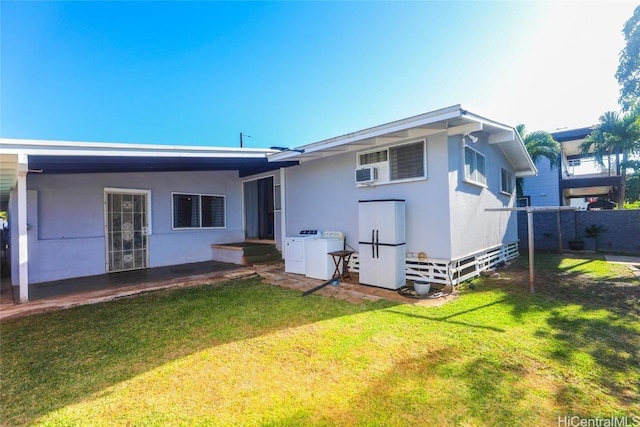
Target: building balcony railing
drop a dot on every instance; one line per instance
(586, 167)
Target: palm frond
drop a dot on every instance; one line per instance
(541, 144)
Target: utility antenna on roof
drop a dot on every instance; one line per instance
(242, 136)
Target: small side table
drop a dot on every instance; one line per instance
(344, 257)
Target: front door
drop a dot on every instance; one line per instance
(126, 228)
(258, 202)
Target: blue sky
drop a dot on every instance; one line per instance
(291, 73)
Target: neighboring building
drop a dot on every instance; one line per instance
(80, 209)
(579, 179)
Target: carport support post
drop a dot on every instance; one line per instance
(23, 241)
(531, 256)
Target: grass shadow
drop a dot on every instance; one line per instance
(52, 360)
(492, 393)
(447, 318)
(588, 317)
(591, 282)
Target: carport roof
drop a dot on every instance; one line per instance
(55, 157)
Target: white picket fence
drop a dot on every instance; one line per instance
(451, 271)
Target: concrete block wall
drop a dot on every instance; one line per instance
(622, 229)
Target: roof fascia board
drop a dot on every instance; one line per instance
(51, 147)
(375, 132)
(142, 154)
(485, 121)
(526, 172)
(506, 128)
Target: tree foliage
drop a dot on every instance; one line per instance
(628, 73)
(616, 137)
(539, 144)
(633, 188)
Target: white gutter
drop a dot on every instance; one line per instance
(397, 126)
(71, 148)
(506, 128)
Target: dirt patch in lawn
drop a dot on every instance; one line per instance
(578, 279)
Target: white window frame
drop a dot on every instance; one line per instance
(188, 193)
(468, 179)
(512, 181)
(384, 167)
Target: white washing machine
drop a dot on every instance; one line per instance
(318, 263)
(294, 251)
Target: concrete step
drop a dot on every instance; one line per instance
(247, 253)
(269, 258)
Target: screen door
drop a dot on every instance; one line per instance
(258, 208)
(127, 236)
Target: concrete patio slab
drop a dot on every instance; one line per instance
(96, 289)
(622, 259)
(630, 261)
(109, 288)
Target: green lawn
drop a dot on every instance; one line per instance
(248, 353)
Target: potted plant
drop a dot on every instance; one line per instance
(591, 239)
(577, 244)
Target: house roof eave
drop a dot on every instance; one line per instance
(367, 136)
(454, 120)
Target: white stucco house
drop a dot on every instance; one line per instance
(81, 209)
(449, 165)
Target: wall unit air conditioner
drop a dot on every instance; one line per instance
(366, 175)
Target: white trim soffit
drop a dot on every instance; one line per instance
(71, 148)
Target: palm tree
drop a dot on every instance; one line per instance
(539, 144)
(616, 136)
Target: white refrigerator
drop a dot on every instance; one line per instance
(381, 243)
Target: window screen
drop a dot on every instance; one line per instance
(186, 210)
(197, 211)
(506, 181)
(212, 211)
(474, 166)
(481, 175)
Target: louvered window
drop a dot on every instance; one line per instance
(198, 211)
(400, 162)
(374, 157)
(406, 161)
